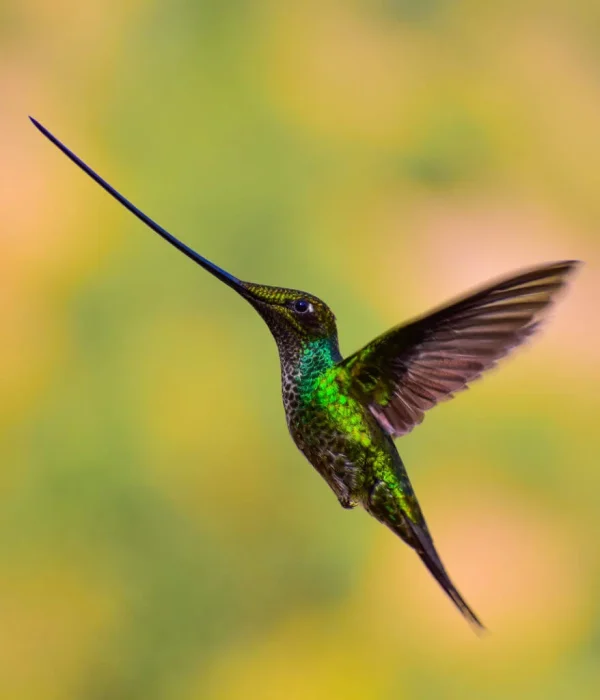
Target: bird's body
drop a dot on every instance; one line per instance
(343, 413)
(336, 433)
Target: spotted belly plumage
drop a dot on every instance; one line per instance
(337, 434)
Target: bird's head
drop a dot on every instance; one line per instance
(290, 312)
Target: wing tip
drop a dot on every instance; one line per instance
(566, 268)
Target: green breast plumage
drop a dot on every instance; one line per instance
(337, 434)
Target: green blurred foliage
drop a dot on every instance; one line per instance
(160, 535)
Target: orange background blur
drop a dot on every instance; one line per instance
(160, 536)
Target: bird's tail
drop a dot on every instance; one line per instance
(398, 509)
(424, 547)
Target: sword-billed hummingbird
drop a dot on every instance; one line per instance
(343, 413)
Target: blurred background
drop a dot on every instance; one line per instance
(160, 535)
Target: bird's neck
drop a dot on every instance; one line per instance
(303, 362)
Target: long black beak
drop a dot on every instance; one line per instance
(215, 270)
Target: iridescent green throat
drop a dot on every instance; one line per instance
(316, 357)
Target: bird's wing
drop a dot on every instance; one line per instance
(409, 369)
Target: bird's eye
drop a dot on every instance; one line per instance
(301, 306)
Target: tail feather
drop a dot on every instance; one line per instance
(423, 545)
(398, 509)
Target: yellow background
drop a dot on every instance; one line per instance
(160, 536)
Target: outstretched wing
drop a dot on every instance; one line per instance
(409, 369)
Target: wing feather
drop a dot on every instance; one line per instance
(412, 367)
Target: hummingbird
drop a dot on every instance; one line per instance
(344, 413)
